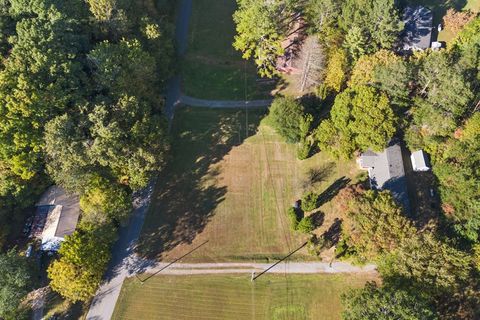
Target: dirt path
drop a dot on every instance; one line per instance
(248, 268)
(194, 102)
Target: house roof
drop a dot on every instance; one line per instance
(386, 171)
(62, 217)
(417, 33)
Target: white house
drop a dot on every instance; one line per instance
(57, 216)
(419, 161)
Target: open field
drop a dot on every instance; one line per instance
(232, 190)
(212, 69)
(272, 297)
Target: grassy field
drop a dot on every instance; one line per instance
(212, 69)
(225, 297)
(232, 186)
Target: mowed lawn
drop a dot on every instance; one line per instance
(212, 68)
(232, 187)
(225, 297)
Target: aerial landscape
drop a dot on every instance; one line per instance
(240, 159)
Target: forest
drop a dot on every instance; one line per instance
(81, 107)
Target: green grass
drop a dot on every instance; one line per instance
(225, 297)
(212, 69)
(231, 188)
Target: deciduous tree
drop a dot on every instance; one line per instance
(84, 256)
(382, 303)
(15, 283)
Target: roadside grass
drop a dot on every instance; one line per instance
(212, 68)
(62, 309)
(225, 297)
(233, 187)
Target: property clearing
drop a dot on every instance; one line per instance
(225, 297)
(212, 68)
(232, 186)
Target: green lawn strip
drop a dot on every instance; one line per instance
(272, 297)
(214, 81)
(212, 68)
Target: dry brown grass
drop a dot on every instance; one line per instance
(232, 192)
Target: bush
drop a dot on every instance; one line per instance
(303, 150)
(315, 245)
(292, 216)
(309, 201)
(306, 225)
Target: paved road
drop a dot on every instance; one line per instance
(123, 261)
(121, 265)
(194, 102)
(284, 267)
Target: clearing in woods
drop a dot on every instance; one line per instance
(228, 297)
(233, 186)
(212, 68)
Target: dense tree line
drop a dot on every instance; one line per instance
(80, 105)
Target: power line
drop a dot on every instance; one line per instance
(168, 265)
(276, 263)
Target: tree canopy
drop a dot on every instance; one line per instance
(15, 283)
(361, 118)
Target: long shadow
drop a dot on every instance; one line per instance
(332, 190)
(332, 235)
(317, 175)
(185, 197)
(318, 218)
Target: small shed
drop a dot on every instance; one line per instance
(419, 161)
(57, 216)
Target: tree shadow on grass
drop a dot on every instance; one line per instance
(318, 218)
(186, 195)
(317, 175)
(332, 235)
(332, 190)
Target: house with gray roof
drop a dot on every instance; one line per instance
(417, 34)
(386, 172)
(56, 217)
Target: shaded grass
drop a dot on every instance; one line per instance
(231, 187)
(272, 297)
(212, 68)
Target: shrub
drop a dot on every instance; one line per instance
(285, 116)
(303, 150)
(309, 201)
(292, 216)
(306, 225)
